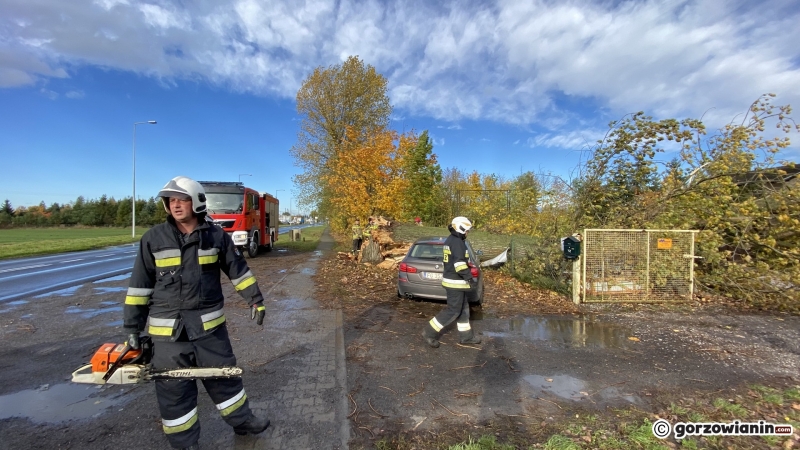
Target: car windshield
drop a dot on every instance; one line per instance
(428, 251)
(224, 203)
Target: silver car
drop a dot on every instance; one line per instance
(420, 272)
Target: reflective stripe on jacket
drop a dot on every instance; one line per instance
(357, 231)
(369, 229)
(177, 285)
(456, 273)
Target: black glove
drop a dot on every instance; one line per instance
(133, 340)
(257, 311)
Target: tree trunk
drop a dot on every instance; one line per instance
(371, 253)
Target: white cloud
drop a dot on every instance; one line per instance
(49, 94)
(159, 17)
(522, 63)
(572, 140)
(75, 95)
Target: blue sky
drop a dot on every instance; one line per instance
(502, 86)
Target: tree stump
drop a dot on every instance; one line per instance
(371, 253)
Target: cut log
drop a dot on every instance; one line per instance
(397, 251)
(388, 264)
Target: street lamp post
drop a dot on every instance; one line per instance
(247, 174)
(133, 199)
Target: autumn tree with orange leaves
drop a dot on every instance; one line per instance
(368, 178)
(340, 106)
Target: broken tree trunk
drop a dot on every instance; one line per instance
(371, 253)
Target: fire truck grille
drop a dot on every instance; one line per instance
(224, 223)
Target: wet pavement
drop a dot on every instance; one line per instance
(300, 383)
(61, 402)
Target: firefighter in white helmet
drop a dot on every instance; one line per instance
(457, 281)
(175, 295)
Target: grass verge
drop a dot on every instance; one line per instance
(309, 239)
(21, 242)
(491, 244)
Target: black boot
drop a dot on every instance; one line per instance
(430, 336)
(468, 337)
(253, 425)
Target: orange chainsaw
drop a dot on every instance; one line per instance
(120, 364)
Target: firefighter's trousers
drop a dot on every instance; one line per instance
(457, 310)
(177, 399)
(357, 245)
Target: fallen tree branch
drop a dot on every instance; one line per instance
(545, 400)
(354, 404)
(467, 367)
(419, 391)
(468, 394)
(469, 346)
(448, 410)
(383, 416)
(387, 389)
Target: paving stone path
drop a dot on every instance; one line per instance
(307, 403)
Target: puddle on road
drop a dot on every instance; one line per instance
(57, 403)
(106, 290)
(572, 388)
(308, 271)
(63, 292)
(283, 250)
(124, 276)
(575, 332)
(88, 313)
(12, 305)
(479, 314)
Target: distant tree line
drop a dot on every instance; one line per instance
(102, 212)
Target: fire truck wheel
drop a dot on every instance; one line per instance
(252, 246)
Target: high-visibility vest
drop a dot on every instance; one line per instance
(357, 231)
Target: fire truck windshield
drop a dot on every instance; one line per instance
(224, 203)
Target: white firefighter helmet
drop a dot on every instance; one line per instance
(461, 224)
(182, 187)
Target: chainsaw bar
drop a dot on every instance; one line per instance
(138, 373)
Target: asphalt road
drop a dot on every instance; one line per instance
(26, 277)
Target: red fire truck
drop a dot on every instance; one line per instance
(250, 217)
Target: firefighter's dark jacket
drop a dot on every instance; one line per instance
(456, 273)
(178, 285)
